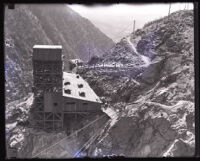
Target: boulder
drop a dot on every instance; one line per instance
(152, 73)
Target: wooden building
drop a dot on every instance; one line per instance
(60, 97)
(75, 63)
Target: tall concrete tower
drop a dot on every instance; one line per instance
(47, 86)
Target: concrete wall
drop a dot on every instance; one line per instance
(47, 54)
(80, 105)
(54, 102)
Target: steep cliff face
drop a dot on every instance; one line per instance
(28, 25)
(156, 105)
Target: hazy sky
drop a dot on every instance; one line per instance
(116, 20)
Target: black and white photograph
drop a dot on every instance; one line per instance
(100, 80)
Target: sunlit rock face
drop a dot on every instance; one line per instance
(156, 106)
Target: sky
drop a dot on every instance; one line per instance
(116, 20)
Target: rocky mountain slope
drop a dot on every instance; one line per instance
(149, 93)
(28, 25)
(154, 102)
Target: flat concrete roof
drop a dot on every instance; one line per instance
(47, 47)
(47, 52)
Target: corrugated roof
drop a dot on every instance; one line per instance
(47, 47)
(76, 91)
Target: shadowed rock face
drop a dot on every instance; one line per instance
(159, 120)
(28, 25)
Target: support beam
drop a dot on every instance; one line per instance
(73, 112)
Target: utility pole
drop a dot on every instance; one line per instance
(133, 26)
(169, 9)
(185, 6)
(89, 54)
